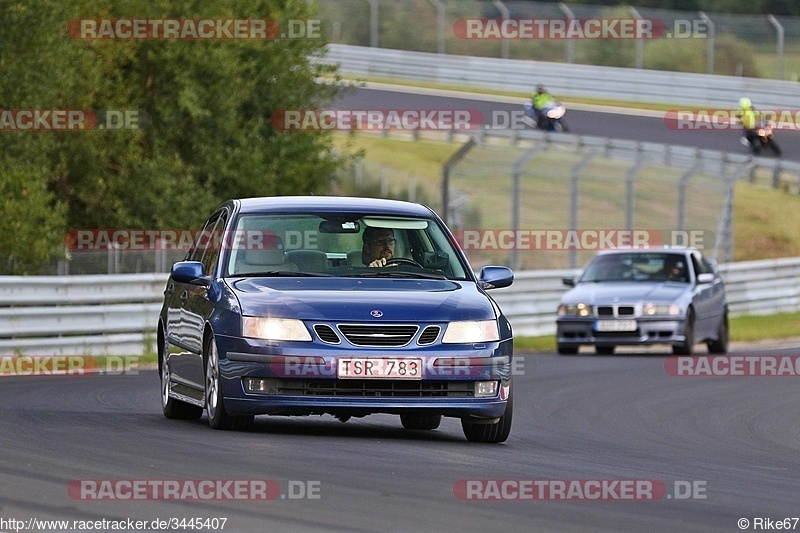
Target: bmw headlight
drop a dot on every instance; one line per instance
(574, 310)
(471, 331)
(274, 329)
(652, 309)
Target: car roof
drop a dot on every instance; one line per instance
(332, 204)
(658, 249)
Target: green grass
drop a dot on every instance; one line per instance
(749, 328)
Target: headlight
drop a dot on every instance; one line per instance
(556, 112)
(574, 310)
(652, 309)
(471, 331)
(274, 329)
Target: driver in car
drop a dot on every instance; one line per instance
(378, 246)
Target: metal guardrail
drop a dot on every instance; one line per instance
(117, 315)
(564, 80)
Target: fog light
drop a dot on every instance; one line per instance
(485, 389)
(260, 386)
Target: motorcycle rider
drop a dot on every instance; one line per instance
(747, 116)
(540, 101)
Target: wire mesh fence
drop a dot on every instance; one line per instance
(688, 41)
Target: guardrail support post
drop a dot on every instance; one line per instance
(441, 24)
(373, 23)
(504, 13)
(709, 42)
(573, 201)
(449, 164)
(516, 194)
(779, 29)
(570, 42)
(639, 42)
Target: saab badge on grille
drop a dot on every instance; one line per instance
(376, 313)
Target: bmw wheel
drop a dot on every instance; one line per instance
(687, 346)
(218, 417)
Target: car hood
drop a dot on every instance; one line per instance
(334, 299)
(612, 292)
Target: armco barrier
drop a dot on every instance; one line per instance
(117, 315)
(562, 79)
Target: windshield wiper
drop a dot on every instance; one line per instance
(383, 273)
(281, 274)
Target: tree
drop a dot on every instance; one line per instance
(204, 109)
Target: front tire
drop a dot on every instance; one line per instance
(720, 346)
(172, 408)
(567, 350)
(604, 350)
(687, 346)
(218, 417)
(775, 148)
(491, 433)
(414, 421)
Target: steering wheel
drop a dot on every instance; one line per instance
(402, 261)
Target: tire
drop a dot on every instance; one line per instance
(720, 346)
(604, 350)
(218, 417)
(415, 421)
(172, 408)
(687, 346)
(567, 350)
(491, 433)
(775, 148)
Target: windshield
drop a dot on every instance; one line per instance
(657, 267)
(341, 245)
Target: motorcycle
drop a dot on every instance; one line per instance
(550, 118)
(763, 138)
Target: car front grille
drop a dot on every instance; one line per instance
(326, 334)
(378, 335)
(615, 310)
(373, 388)
(429, 335)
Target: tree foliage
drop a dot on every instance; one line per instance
(204, 108)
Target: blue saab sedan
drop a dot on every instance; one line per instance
(339, 306)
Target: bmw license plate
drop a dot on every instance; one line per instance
(379, 368)
(615, 325)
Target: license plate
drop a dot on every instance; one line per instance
(615, 325)
(379, 368)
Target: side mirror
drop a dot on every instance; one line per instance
(188, 272)
(496, 277)
(569, 282)
(706, 278)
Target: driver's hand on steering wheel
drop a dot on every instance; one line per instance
(380, 263)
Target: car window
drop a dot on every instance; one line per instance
(637, 267)
(195, 253)
(213, 246)
(340, 245)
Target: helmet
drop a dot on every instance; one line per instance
(540, 89)
(745, 103)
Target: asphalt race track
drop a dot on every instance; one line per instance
(582, 417)
(601, 124)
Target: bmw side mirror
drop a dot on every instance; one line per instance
(569, 282)
(705, 278)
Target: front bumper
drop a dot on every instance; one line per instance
(573, 332)
(300, 379)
